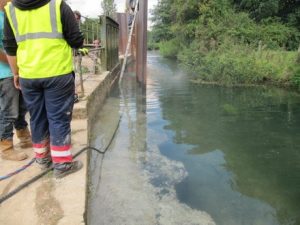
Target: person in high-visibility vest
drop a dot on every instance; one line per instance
(12, 108)
(38, 37)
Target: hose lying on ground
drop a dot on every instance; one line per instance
(18, 170)
(35, 178)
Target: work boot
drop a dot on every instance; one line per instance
(8, 152)
(25, 138)
(44, 163)
(63, 169)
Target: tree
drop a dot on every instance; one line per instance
(259, 9)
(109, 8)
(286, 10)
(163, 18)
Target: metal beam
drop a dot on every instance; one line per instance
(141, 42)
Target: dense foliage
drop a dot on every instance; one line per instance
(231, 41)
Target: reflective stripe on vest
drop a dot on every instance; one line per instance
(50, 35)
(42, 50)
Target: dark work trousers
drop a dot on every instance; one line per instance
(50, 104)
(12, 109)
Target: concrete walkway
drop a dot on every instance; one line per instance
(49, 201)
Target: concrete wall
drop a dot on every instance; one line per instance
(94, 104)
(97, 98)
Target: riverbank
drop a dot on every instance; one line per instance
(267, 84)
(49, 201)
(225, 42)
(236, 65)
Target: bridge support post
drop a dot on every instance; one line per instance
(141, 42)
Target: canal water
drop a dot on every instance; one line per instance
(185, 153)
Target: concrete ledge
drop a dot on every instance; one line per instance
(96, 99)
(98, 88)
(90, 83)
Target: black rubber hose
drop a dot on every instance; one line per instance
(35, 178)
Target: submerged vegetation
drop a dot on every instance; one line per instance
(231, 41)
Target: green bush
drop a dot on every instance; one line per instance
(169, 49)
(240, 64)
(217, 43)
(152, 46)
(295, 78)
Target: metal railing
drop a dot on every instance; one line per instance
(110, 42)
(101, 37)
(91, 28)
(105, 31)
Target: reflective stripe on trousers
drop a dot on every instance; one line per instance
(50, 104)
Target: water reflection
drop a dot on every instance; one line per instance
(184, 149)
(135, 184)
(240, 147)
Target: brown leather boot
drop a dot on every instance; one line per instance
(7, 151)
(25, 138)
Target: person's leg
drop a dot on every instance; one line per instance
(59, 100)
(34, 98)
(20, 122)
(9, 109)
(21, 125)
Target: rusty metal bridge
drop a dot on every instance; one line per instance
(107, 39)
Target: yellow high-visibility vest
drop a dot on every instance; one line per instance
(42, 51)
